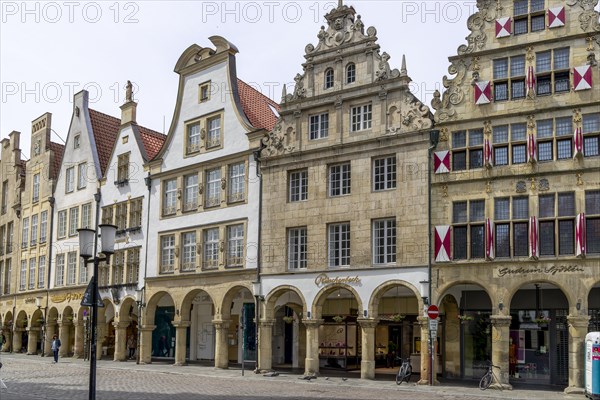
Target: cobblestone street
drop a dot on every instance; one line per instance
(30, 378)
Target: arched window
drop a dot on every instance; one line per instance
(329, 78)
(350, 73)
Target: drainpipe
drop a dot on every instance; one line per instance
(142, 299)
(51, 200)
(434, 137)
(257, 296)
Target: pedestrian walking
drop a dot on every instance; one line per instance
(131, 345)
(55, 346)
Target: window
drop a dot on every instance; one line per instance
(339, 245)
(135, 213)
(121, 217)
(77, 141)
(70, 179)
(361, 117)
(7, 275)
(319, 126)
(34, 229)
(298, 190)
(211, 248)
(339, 179)
(384, 173)
(329, 78)
(83, 272)
(36, 189)
(468, 227)
(167, 257)
(213, 188)
(189, 251)
(503, 222)
(41, 272)
(529, 16)
(235, 245)
(214, 132)
(107, 215)
(170, 197)
(191, 192)
(237, 182)
(123, 169)
(4, 196)
(459, 151)
(71, 267)
(81, 176)
(384, 241)
(545, 129)
(2, 242)
(509, 82)
(23, 275)
(73, 221)
(350, 73)
(193, 138)
(297, 248)
(103, 274)
(592, 211)
(31, 284)
(60, 270)
(553, 66)
(10, 231)
(133, 265)
(566, 223)
(25, 233)
(520, 215)
(204, 92)
(591, 131)
(118, 265)
(502, 228)
(86, 215)
(549, 224)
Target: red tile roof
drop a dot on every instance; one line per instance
(256, 106)
(105, 129)
(58, 150)
(152, 141)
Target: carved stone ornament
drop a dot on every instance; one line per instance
(521, 187)
(454, 94)
(579, 177)
(299, 90)
(444, 190)
(383, 67)
(488, 187)
(415, 115)
(577, 116)
(477, 24)
(544, 185)
(444, 135)
(276, 142)
(487, 128)
(589, 18)
(531, 124)
(532, 186)
(37, 148)
(590, 43)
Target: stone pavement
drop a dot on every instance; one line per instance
(34, 377)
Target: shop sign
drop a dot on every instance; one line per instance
(553, 270)
(59, 298)
(325, 280)
(30, 300)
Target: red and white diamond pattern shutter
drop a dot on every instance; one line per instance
(483, 92)
(531, 149)
(487, 154)
(580, 238)
(533, 238)
(442, 243)
(441, 162)
(489, 240)
(577, 143)
(582, 77)
(503, 27)
(556, 17)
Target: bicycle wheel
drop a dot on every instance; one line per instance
(401, 374)
(408, 373)
(485, 381)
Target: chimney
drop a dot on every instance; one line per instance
(128, 109)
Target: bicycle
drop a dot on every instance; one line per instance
(404, 372)
(489, 377)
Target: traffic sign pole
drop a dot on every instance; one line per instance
(433, 313)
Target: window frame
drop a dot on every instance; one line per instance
(297, 248)
(389, 235)
(339, 248)
(361, 117)
(345, 179)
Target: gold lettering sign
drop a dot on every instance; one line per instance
(29, 300)
(324, 280)
(553, 270)
(59, 298)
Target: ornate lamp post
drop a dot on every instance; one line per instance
(140, 301)
(88, 250)
(38, 303)
(258, 296)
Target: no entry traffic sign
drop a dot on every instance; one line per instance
(433, 311)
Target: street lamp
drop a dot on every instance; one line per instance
(258, 296)
(88, 250)
(139, 300)
(38, 303)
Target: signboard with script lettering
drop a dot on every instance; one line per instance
(324, 280)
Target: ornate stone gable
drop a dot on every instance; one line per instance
(589, 19)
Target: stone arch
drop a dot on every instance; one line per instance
(152, 304)
(274, 296)
(225, 305)
(447, 289)
(512, 291)
(22, 320)
(321, 297)
(127, 308)
(186, 303)
(384, 287)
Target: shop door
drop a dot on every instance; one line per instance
(288, 342)
(559, 340)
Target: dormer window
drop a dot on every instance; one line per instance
(122, 169)
(329, 78)
(351, 73)
(204, 93)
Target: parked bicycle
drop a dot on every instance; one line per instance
(489, 377)
(404, 372)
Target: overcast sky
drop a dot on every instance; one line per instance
(51, 50)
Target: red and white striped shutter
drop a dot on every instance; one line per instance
(490, 253)
(487, 154)
(531, 149)
(580, 236)
(483, 92)
(556, 17)
(441, 162)
(582, 77)
(442, 243)
(530, 81)
(577, 143)
(503, 27)
(534, 249)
